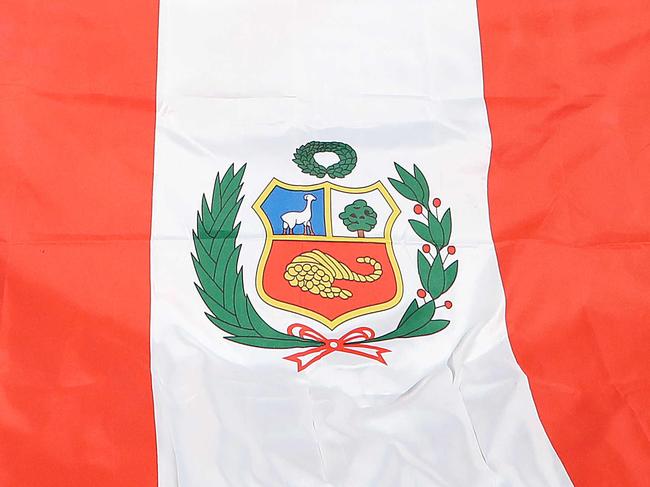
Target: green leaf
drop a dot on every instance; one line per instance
(227, 248)
(411, 182)
(216, 195)
(433, 326)
(225, 219)
(435, 229)
(421, 231)
(206, 216)
(231, 279)
(227, 177)
(201, 231)
(445, 223)
(259, 325)
(230, 329)
(403, 189)
(436, 281)
(233, 186)
(412, 308)
(240, 303)
(424, 269)
(409, 311)
(420, 317)
(216, 309)
(223, 246)
(424, 185)
(450, 275)
(202, 254)
(207, 282)
(423, 314)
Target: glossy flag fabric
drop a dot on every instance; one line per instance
(107, 274)
(398, 93)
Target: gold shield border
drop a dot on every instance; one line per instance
(327, 187)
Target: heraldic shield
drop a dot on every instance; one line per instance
(328, 253)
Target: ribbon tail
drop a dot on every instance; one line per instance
(369, 351)
(318, 353)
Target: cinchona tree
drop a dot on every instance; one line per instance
(359, 217)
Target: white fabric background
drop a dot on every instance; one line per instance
(249, 81)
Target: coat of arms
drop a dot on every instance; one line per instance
(328, 252)
(328, 255)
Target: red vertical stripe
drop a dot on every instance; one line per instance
(76, 130)
(568, 92)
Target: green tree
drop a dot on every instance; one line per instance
(359, 217)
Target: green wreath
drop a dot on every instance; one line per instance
(304, 159)
(216, 262)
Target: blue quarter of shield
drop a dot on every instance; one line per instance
(282, 201)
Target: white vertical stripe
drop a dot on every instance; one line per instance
(249, 81)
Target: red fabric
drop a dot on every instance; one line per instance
(567, 85)
(76, 123)
(568, 93)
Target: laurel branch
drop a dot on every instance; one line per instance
(216, 262)
(304, 159)
(436, 279)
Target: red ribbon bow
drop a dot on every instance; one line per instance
(348, 343)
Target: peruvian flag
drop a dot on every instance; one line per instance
(324, 243)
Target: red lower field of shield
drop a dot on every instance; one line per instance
(364, 294)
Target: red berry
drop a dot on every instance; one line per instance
(417, 209)
(436, 202)
(422, 293)
(448, 304)
(451, 250)
(426, 248)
